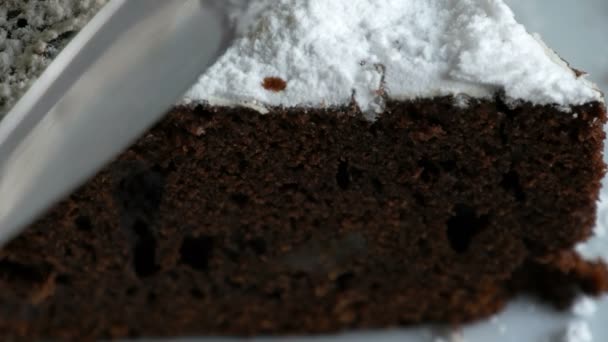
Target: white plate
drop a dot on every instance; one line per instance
(577, 31)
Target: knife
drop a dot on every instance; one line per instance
(119, 76)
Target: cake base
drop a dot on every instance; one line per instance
(227, 222)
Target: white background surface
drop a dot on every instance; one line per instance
(578, 31)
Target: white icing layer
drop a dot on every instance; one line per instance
(331, 52)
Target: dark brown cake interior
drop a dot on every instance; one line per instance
(225, 221)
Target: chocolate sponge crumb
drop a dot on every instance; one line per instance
(224, 221)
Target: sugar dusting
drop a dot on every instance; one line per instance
(578, 328)
(585, 307)
(334, 52)
(577, 331)
(596, 248)
(331, 53)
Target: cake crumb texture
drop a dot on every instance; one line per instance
(228, 222)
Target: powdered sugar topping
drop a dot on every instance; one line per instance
(333, 52)
(577, 331)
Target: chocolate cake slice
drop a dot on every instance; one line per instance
(345, 165)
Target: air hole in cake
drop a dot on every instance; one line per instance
(141, 190)
(258, 245)
(502, 106)
(413, 113)
(236, 282)
(131, 291)
(171, 167)
(377, 185)
(63, 279)
(343, 176)
(18, 271)
(448, 165)
(196, 293)
(285, 124)
(463, 227)
(502, 130)
(293, 223)
(428, 170)
(355, 173)
(289, 187)
(196, 251)
(419, 198)
(157, 169)
(243, 164)
(236, 118)
(240, 199)
(134, 334)
(276, 294)
(173, 275)
(424, 247)
(375, 128)
(274, 84)
(344, 281)
(144, 254)
(83, 223)
(510, 182)
(232, 253)
(574, 134)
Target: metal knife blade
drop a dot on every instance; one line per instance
(119, 76)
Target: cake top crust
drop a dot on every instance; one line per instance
(330, 53)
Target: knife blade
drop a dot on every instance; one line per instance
(118, 76)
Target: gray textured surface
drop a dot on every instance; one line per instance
(31, 34)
